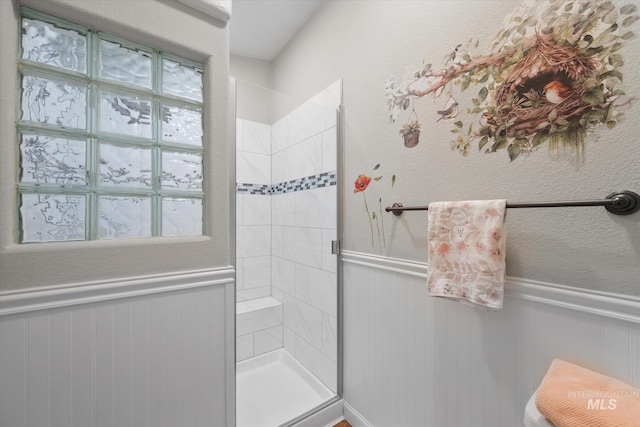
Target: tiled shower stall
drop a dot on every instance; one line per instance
(286, 219)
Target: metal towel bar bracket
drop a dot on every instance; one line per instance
(619, 203)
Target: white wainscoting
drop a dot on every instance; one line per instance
(411, 360)
(150, 351)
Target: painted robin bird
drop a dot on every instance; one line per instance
(556, 92)
(487, 119)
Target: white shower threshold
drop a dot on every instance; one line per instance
(274, 388)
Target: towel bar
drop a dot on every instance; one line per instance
(619, 203)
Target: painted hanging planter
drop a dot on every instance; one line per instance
(411, 134)
(410, 131)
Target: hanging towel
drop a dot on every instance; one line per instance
(467, 251)
(573, 396)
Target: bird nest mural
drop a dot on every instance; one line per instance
(553, 76)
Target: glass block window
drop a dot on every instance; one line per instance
(110, 136)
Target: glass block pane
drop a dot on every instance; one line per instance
(52, 160)
(125, 65)
(55, 103)
(49, 44)
(181, 171)
(127, 115)
(181, 125)
(181, 217)
(125, 166)
(52, 217)
(124, 217)
(178, 80)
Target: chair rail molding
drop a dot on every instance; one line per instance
(614, 306)
(34, 299)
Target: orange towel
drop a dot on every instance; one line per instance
(572, 396)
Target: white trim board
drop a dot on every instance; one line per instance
(614, 306)
(22, 301)
(354, 417)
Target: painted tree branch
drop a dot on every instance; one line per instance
(456, 70)
(479, 62)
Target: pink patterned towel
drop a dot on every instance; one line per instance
(467, 251)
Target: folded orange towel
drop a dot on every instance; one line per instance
(572, 396)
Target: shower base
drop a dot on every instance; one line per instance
(274, 388)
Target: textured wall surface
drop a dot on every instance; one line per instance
(366, 43)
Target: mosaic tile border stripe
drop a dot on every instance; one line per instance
(324, 179)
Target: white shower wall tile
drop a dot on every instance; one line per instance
(277, 293)
(253, 168)
(279, 135)
(303, 122)
(256, 209)
(310, 118)
(329, 149)
(253, 293)
(303, 159)
(289, 340)
(253, 240)
(304, 320)
(316, 208)
(239, 209)
(267, 340)
(283, 274)
(257, 138)
(317, 288)
(284, 208)
(329, 337)
(257, 271)
(321, 366)
(277, 241)
(278, 168)
(239, 135)
(303, 245)
(259, 320)
(257, 304)
(244, 347)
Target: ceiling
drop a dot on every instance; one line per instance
(261, 28)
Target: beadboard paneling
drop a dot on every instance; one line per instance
(412, 360)
(155, 359)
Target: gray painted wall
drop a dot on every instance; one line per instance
(366, 43)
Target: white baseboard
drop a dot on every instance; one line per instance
(323, 417)
(354, 418)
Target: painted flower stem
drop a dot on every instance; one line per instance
(378, 227)
(366, 206)
(384, 239)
